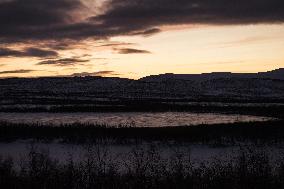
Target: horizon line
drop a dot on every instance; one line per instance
(101, 76)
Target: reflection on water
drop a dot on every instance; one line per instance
(137, 119)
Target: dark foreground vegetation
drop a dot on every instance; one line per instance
(269, 131)
(142, 168)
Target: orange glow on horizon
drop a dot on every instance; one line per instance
(183, 49)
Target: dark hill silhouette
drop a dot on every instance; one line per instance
(275, 74)
(96, 92)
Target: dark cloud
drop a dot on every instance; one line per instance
(28, 52)
(99, 73)
(131, 51)
(26, 20)
(141, 16)
(36, 52)
(148, 32)
(113, 44)
(16, 71)
(8, 52)
(30, 13)
(33, 19)
(194, 11)
(63, 62)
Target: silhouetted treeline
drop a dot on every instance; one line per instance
(142, 168)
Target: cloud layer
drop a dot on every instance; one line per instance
(62, 19)
(44, 28)
(16, 72)
(131, 51)
(63, 62)
(28, 52)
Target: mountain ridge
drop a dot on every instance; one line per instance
(268, 86)
(274, 74)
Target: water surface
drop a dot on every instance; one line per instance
(136, 119)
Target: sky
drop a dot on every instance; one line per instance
(137, 38)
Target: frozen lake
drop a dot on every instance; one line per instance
(135, 119)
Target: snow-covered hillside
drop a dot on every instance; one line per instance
(86, 90)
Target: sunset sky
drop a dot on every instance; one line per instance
(136, 38)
